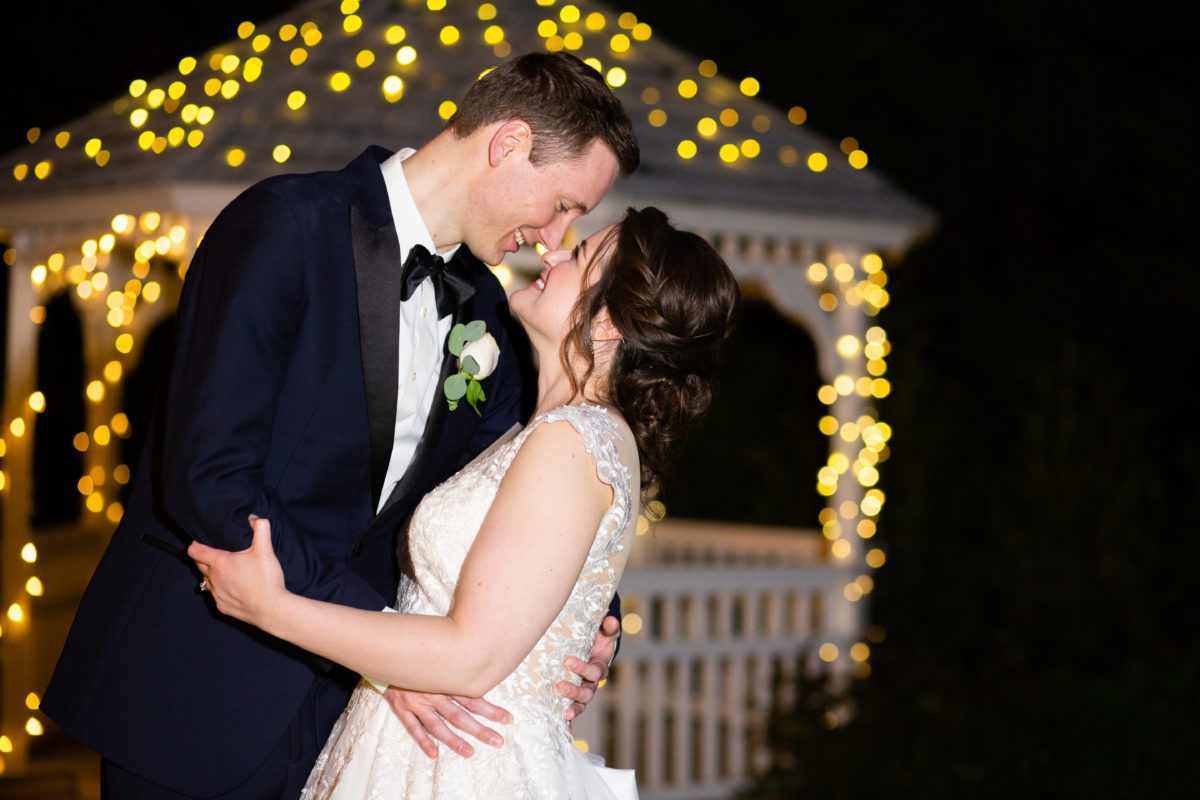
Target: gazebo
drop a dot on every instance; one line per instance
(102, 216)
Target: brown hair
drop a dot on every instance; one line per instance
(566, 104)
(674, 301)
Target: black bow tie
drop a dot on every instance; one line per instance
(449, 286)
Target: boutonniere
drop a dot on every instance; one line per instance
(477, 354)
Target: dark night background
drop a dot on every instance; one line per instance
(1040, 519)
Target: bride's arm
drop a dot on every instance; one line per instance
(516, 577)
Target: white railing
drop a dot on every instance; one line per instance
(727, 616)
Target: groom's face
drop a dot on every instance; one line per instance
(526, 203)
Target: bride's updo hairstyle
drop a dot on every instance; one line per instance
(673, 299)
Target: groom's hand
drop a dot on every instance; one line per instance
(427, 717)
(592, 671)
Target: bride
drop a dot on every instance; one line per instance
(513, 561)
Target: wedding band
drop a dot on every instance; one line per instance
(204, 585)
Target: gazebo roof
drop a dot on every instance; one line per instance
(706, 140)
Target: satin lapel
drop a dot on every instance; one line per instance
(376, 268)
(434, 424)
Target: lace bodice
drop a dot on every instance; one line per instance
(536, 760)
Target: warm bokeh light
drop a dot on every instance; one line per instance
(393, 88)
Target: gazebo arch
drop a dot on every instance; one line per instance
(112, 205)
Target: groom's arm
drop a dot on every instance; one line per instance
(240, 311)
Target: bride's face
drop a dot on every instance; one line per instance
(544, 307)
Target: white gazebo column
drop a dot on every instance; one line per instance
(846, 614)
(17, 653)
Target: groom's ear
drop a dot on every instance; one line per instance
(512, 139)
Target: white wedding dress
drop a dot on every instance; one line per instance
(370, 755)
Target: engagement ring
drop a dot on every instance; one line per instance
(204, 585)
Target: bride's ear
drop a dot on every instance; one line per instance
(603, 329)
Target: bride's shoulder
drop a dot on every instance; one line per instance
(601, 430)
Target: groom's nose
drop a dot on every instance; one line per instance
(551, 234)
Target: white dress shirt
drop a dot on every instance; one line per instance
(422, 333)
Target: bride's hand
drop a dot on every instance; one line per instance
(246, 584)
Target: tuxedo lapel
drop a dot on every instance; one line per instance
(377, 271)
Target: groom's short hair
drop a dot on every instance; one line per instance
(565, 102)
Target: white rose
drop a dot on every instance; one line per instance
(486, 353)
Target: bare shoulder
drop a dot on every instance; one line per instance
(555, 456)
(554, 442)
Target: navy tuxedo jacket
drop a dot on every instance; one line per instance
(280, 402)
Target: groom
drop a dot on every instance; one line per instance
(306, 387)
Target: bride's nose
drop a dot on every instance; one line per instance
(553, 257)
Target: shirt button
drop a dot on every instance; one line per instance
(414, 377)
(424, 311)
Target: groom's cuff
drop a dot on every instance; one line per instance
(380, 686)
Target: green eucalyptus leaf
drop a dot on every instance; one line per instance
(475, 395)
(458, 337)
(455, 387)
(470, 365)
(475, 330)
